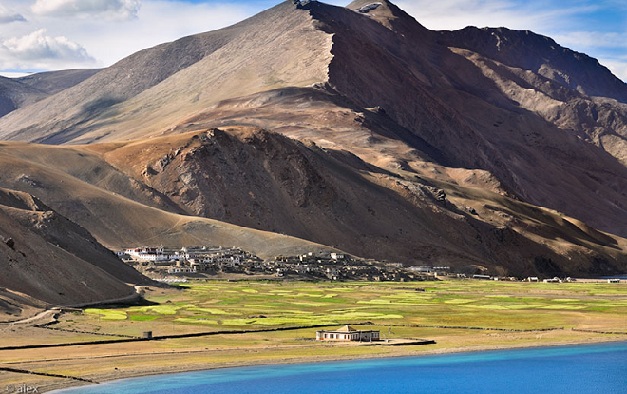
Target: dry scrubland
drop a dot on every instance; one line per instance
(458, 315)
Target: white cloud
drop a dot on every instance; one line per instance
(158, 21)
(41, 51)
(8, 16)
(110, 9)
(593, 39)
(11, 74)
(536, 15)
(617, 65)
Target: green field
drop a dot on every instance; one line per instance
(206, 306)
(235, 324)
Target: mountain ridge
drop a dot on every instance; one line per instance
(363, 131)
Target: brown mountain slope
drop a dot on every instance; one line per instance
(541, 55)
(511, 144)
(454, 115)
(417, 110)
(14, 94)
(21, 92)
(54, 261)
(471, 115)
(254, 178)
(119, 210)
(52, 82)
(248, 178)
(237, 60)
(566, 88)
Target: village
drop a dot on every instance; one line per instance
(197, 262)
(172, 265)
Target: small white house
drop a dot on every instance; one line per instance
(348, 334)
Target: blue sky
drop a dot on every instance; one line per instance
(40, 35)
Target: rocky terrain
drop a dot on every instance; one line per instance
(352, 128)
(20, 92)
(48, 260)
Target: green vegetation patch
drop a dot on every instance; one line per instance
(107, 314)
(164, 309)
(189, 320)
(469, 303)
(143, 317)
(211, 311)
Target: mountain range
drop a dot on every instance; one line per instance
(313, 126)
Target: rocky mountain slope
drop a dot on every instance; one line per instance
(49, 256)
(348, 127)
(21, 92)
(52, 82)
(255, 178)
(119, 210)
(235, 61)
(14, 94)
(52, 260)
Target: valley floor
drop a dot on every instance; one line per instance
(222, 324)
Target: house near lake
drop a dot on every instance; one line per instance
(348, 334)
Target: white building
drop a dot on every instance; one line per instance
(150, 254)
(348, 334)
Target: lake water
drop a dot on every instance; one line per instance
(568, 369)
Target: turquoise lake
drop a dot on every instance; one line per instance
(565, 369)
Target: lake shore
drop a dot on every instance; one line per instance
(188, 360)
(111, 377)
(574, 369)
(224, 324)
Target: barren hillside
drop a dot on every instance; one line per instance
(255, 178)
(118, 210)
(52, 82)
(52, 260)
(22, 92)
(353, 128)
(14, 94)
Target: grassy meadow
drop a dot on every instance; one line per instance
(459, 315)
(221, 306)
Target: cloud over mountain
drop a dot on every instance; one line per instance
(111, 9)
(42, 50)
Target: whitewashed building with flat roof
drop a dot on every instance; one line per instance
(347, 334)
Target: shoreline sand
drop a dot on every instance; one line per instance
(122, 375)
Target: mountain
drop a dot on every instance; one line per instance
(52, 82)
(53, 261)
(568, 89)
(119, 210)
(355, 128)
(175, 66)
(50, 257)
(258, 179)
(14, 95)
(19, 92)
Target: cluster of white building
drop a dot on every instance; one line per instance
(187, 259)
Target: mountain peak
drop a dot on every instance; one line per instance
(400, 116)
(386, 13)
(531, 51)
